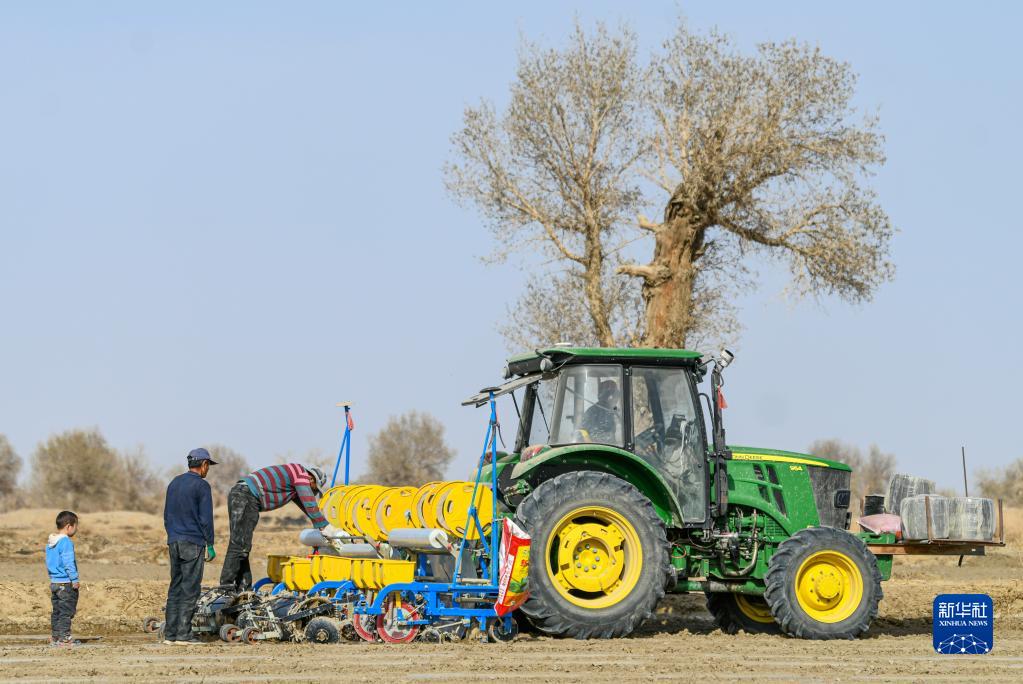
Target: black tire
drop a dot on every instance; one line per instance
(731, 618)
(323, 630)
(783, 574)
(523, 623)
(497, 632)
(547, 609)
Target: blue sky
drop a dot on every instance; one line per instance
(216, 222)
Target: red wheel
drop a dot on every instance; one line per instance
(363, 625)
(393, 625)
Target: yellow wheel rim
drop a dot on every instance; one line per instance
(419, 503)
(345, 504)
(330, 504)
(360, 510)
(755, 608)
(594, 557)
(453, 503)
(390, 510)
(829, 586)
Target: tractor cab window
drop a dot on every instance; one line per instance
(668, 435)
(587, 406)
(539, 428)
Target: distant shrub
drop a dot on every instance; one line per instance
(10, 466)
(78, 470)
(1003, 483)
(231, 467)
(409, 450)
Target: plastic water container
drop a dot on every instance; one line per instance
(913, 512)
(971, 517)
(903, 486)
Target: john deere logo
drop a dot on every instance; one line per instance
(963, 624)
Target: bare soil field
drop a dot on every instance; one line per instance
(124, 574)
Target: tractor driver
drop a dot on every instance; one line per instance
(601, 420)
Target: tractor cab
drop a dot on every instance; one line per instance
(626, 408)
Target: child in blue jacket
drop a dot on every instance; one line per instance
(63, 569)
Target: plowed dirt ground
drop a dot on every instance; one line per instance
(124, 574)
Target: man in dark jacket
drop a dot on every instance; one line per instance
(188, 519)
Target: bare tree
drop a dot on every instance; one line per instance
(555, 173)
(77, 470)
(409, 450)
(870, 474)
(877, 470)
(750, 155)
(553, 309)
(141, 487)
(757, 154)
(10, 466)
(231, 467)
(1003, 483)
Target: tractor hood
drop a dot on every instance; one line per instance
(742, 453)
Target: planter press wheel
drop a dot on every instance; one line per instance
(249, 636)
(323, 630)
(497, 631)
(230, 633)
(387, 623)
(365, 627)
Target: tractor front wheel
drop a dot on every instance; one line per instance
(823, 583)
(735, 612)
(598, 558)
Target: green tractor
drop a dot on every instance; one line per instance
(628, 493)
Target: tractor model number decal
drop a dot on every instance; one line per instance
(777, 459)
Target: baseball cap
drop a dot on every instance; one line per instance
(197, 456)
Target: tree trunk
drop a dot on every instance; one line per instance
(668, 293)
(595, 292)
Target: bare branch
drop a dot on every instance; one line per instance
(646, 224)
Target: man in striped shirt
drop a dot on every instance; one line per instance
(268, 489)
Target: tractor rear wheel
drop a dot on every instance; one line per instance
(599, 556)
(739, 612)
(823, 583)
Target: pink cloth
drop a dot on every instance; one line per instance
(881, 522)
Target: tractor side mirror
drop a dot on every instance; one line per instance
(726, 358)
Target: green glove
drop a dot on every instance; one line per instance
(211, 553)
